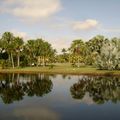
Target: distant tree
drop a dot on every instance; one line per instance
(64, 56)
(77, 51)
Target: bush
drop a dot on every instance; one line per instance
(5, 64)
(51, 66)
(109, 58)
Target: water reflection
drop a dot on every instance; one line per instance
(100, 89)
(13, 87)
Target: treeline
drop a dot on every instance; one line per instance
(14, 52)
(99, 51)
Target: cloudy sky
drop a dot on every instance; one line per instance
(60, 21)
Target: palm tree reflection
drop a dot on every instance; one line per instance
(100, 89)
(13, 88)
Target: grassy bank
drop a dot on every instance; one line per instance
(61, 69)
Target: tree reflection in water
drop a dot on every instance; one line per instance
(14, 87)
(100, 89)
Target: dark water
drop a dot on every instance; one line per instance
(59, 97)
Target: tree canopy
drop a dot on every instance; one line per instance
(99, 51)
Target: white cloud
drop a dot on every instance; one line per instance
(85, 25)
(31, 9)
(20, 34)
(60, 43)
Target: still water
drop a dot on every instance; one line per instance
(59, 97)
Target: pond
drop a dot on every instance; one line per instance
(59, 97)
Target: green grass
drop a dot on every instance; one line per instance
(61, 69)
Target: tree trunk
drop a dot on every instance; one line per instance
(18, 60)
(9, 57)
(78, 62)
(69, 59)
(43, 61)
(38, 61)
(37, 64)
(12, 60)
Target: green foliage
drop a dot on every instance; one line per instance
(5, 64)
(51, 66)
(109, 58)
(35, 52)
(93, 49)
(77, 52)
(99, 51)
(38, 51)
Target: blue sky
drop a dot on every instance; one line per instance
(60, 21)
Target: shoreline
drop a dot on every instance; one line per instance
(65, 71)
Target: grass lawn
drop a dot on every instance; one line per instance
(61, 69)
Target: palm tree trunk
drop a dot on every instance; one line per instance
(12, 60)
(43, 61)
(69, 59)
(78, 62)
(9, 57)
(18, 60)
(37, 61)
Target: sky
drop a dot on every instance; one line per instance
(60, 21)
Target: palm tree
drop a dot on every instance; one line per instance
(8, 45)
(77, 49)
(64, 55)
(30, 51)
(96, 43)
(47, 52)
(18, 48)
(64, 51)
(39, 44)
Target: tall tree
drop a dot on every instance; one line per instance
(18, 42)
(8, 45)
(30, 51)
(94, 48)
(64, 55)
(77, 49)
